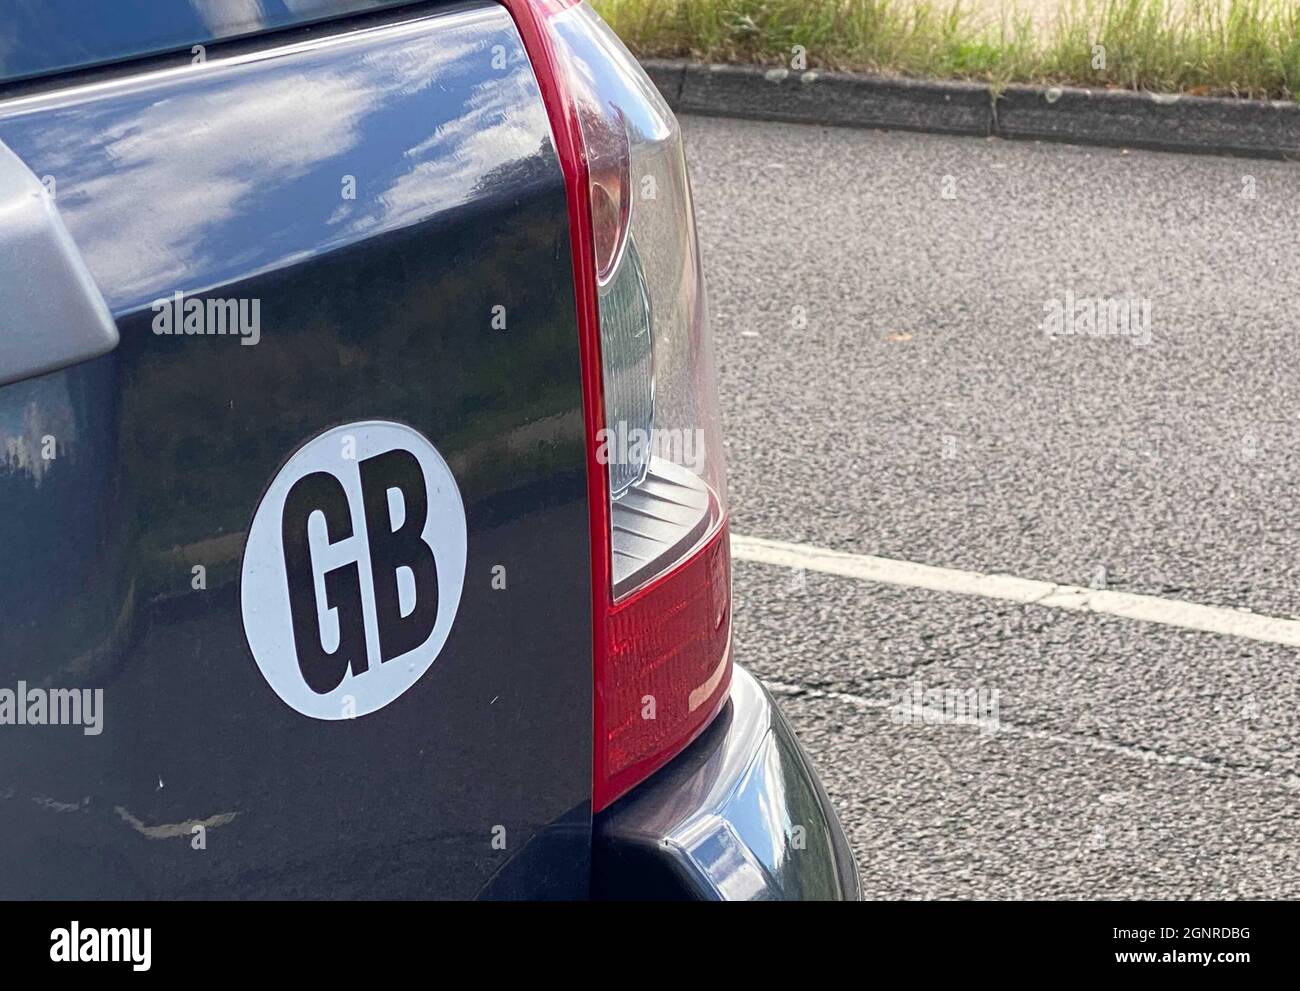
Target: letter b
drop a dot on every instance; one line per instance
(397, 545)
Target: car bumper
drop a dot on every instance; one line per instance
(739, 815)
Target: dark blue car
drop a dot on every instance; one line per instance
(364, 514)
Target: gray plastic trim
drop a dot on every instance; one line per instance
(51, 312)
(656, 522)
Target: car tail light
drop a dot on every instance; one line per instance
(661, 563)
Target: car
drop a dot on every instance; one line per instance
(366, 528)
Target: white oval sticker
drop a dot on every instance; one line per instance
(353, 569)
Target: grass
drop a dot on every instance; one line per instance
(1246, 48)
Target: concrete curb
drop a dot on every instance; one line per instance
(1203, 125)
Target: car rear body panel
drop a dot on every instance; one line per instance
(441, 297)
(40, 37)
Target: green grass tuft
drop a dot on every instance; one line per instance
(1247, 48)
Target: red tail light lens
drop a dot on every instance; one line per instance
(669, 644)
(661, 562)
(608, 161)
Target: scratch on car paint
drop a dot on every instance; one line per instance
(172, 830)
(49, 803)
(54, 806)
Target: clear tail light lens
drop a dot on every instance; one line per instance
(627, 357)
(660, 551)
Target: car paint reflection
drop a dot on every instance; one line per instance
(240, 181)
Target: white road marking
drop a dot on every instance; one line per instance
(1147, 608)
(1285, 777)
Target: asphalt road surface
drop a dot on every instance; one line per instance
(890, 388)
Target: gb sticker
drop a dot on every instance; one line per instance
(353, 569)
